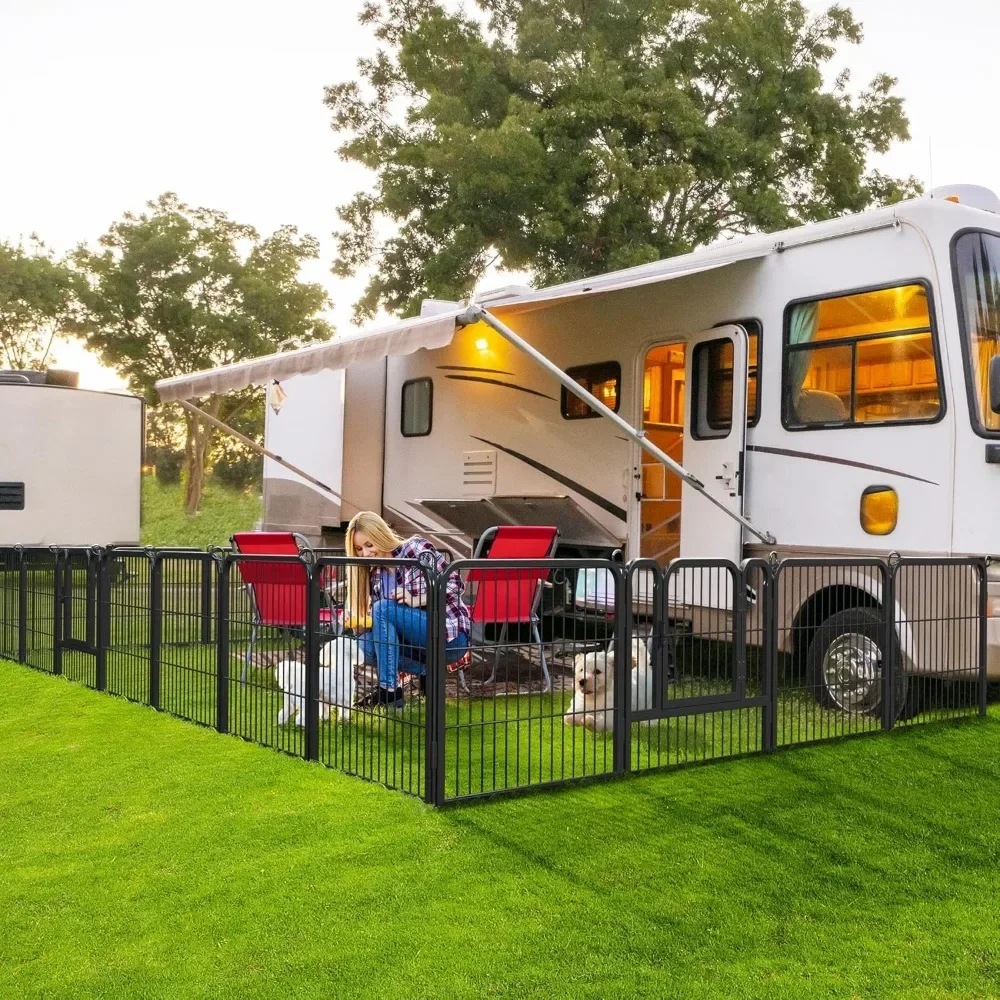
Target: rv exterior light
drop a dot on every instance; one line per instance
(879, 510)
(482, 343)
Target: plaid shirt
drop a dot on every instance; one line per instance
(414, 582)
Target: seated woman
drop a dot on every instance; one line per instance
(395, 598)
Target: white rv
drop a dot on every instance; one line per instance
(70, 464)
(826, 390)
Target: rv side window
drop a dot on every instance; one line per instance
(603, 380)
(977, 276)
(417, 407)
(712, 398)
(861, 359)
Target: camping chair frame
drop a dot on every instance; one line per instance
(327, 614)
(533, 619)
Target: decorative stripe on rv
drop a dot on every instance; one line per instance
(786, 453)
(496, 381)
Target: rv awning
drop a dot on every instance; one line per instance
(400, 338)
(430, 332)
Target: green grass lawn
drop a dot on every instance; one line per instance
(144, 857)
(223, 511)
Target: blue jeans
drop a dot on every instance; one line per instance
(398, 641)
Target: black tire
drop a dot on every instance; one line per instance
(849, 645)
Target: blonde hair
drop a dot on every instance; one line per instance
(359, 598)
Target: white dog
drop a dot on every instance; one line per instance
(337, 660)
(593, 702)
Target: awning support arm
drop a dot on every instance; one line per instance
(476, 314)
(253, 446)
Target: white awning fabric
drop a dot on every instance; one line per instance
(400, 338)
(430, 332)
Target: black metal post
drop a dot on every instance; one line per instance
(435, 720)
(22, 610)
(313, 596)
(769, 674)
(222, 644)
(155, 626)
(621, 760)
(983, 638)
(67, 596)
(103, 622)
(207, 564)
(57, 619)
(889, 645)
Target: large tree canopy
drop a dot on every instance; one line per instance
(179, 289)
(570, 137)
(35, 292)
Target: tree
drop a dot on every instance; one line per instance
(570, 137)
(35, 291)
(179, 289)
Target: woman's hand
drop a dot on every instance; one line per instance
(402, 596)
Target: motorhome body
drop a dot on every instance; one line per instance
(827, 382)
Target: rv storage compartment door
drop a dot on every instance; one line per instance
(715, 423)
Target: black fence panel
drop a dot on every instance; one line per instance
(10, 604)
(529, 700)
(489, 676)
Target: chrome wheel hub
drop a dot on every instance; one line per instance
(852, 671)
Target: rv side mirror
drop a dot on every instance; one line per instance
(995, 383)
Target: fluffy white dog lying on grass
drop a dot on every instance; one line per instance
(337, 660)
(593, 702)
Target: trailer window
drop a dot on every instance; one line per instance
(602, 380)
(977, 277)
(417, 407)
(861, 359)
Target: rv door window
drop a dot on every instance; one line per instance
(753, 329)
(417, 407)
(603, 380)
(712, 399)
(861, 359)
(977, 277)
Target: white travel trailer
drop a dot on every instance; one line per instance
(826, 390)
(70, 464)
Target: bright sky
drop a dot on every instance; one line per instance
(105, 104)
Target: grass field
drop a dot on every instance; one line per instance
(143, 857)
(222, 512)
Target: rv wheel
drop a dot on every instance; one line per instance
(846, 660)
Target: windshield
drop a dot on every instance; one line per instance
(977, 269)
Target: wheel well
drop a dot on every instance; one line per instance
(820, 606)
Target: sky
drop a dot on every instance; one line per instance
(105, 104)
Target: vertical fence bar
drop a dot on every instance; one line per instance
(22, 606)
(435, 722)
(102, 626)
(621, 755)
(889, 645)
(981, 573)
(56, 611)
(206, 600)
(312, 659)
(155, 626)
(222, 644)
(93, 564)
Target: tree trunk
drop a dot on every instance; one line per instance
(196, 446)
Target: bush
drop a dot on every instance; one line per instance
(239, 470)
(168, 462)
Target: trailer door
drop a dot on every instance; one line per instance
(715, 423)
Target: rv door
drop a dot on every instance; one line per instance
(714, 442)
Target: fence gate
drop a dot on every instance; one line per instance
(77, 572)
(709, 692)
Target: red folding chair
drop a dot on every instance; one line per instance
(278, 590)
(508, 597)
